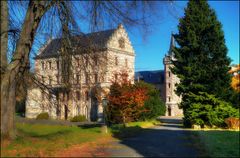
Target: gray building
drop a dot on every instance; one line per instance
(165, 81)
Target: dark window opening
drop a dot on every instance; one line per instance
(86, 95)
(78, 79)
(116, 60)
(42, 65)
(96, 78)
(57, 64)
(78, 95)
(50, 64)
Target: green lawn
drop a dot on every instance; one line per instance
(46, 140)
(220, 143)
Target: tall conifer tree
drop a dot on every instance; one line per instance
(201, 57)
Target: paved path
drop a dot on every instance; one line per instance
(167, 140)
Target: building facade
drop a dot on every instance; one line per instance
(75, 84)
(171, 99)
(165, 81)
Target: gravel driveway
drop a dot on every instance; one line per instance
(166, 140)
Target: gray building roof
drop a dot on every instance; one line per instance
(153, 77)
(96, 40)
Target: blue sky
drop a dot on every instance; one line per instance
(151, 49)
(150, 53)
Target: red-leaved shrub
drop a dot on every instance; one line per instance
(232, 122)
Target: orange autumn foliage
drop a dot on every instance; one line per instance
(236, 78)
(126, 101)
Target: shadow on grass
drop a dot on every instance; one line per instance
(43, 135)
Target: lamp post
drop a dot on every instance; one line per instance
(104, 103)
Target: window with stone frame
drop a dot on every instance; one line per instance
(115, 77)
(42, 94)
(95, 59)
(116, 61)
(57, 63)
(78, 95)
(86, 96)
(77, 62)
(43, 79)
(96, 78)
(126, 62)
(50, 65)
(86, 78)
(50, 80)
(78, 78)
(169, 99)
(57, 77)
(169, 74)
(121, 43)
(169, 85)
(43, 65)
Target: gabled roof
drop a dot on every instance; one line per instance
(153, 77)
(90, 40)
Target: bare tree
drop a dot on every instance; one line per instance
(57, 18)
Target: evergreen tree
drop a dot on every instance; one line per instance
(201, 57)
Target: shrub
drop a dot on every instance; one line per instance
(126, 101)
(78, 118)
(205, 109)
(43, 116)
(232, 123)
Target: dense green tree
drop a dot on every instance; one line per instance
(153, 104)
(201, 57)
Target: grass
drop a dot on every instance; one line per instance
(131, 128)
(46, 140)
(38, 140)
(216, 143)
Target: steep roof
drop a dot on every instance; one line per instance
(153, 77)
(93, 40)
(172, 45)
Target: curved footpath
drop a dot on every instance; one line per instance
(166, 140)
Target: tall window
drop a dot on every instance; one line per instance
(57, 77)
(86, 78)
(57, 62)
(50, 80)
(115, 77)
(169, 99)
(95, 60)
(169, 85)
(116, 61)
(42, 65)
(96, 78)
(169, 73)
(78, 79)
(126, 62)
(78, 62)
(86, 96)
(78, 95)
(43, 79)
(42, 94)
(121, 43)
(50, 64)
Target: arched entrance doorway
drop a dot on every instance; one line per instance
(65, 112)
(169, 111)
(94, 109)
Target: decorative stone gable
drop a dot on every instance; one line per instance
(120, 41)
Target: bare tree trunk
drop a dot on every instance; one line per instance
(18, 66)
(4, 34)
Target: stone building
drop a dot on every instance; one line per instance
(171, 99)
(79, 84)
(164, 81)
